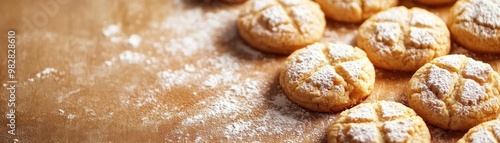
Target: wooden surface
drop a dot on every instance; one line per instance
(191, 78)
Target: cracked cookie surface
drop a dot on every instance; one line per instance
(487, 132)
(327, 77)
(475, 24)
(455, 92)
(354, 10)
(377, 122)
(281, 26)
(403, 39)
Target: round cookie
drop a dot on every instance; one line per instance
(487, 132)
(382, 121)
(327, 77)
(455, 92)
(354, 11)
(435, 2)
(281, 26)
(475, 24)
(403, 39)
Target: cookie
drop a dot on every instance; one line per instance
(327, 77)
(354, 11)
(455, 92)
(435, 2)
(281, 26)
(487, 132)
(475, 24)
(378, 122)
(403, 39)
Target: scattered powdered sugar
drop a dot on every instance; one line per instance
(302, 15)
(353, 68)
(291, 2)
(71, 116)
(200, 37)
(260, 4)
(131, 57)
(452, 61)
(229, 98)
(340, 51)
(170, 78)
(439, 80)
(477, 69)
(363, 111)
(305, 62)
(45, 72)
(485, 12)
(397, 131)
(472, 92)
(186, 45)
(422, 38)
(254, 128)
(364, 133)
(323, 79)
(422, 19)
(388, 33)
(134, 40)
(391, 111)
(61, 98)
(276, 18)
(481, 136)
(496, 130)
(392, 14)
(111, 30)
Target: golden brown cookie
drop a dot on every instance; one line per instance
(435, 2)
(327, 77)
(487, 132)
(378, 122)
(455, 92)
(354, 10)
(281, 26)
(403, 39)
(475, 24)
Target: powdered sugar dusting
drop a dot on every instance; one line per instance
(132, 57)
(484, 12)
(305, 61)
(290, 2)
(46, 71)
(496, 130)
(323, 79)
(388, 33)
(422, 38)
(303, 16)
(398, 131)
(421, 19)
(260, 4)
(439, 80)
(134, 40)
(363, 111)
(353, 68)
(472, 92)
(477, 69)
(111, 30)
(363, 133)
(390, 111)
(452, 61)
(392, 14)
(481, 136)
(340, 51)
(277, 19)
